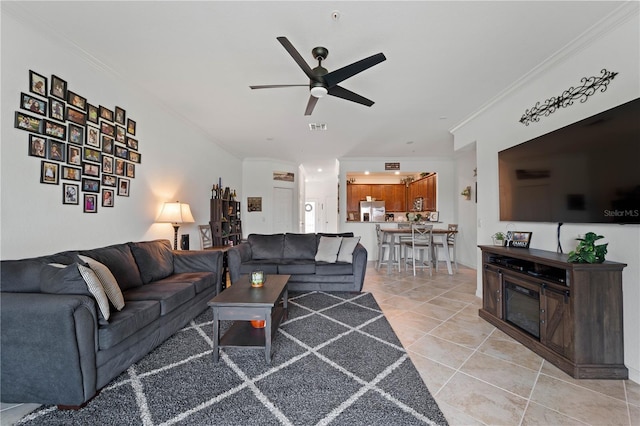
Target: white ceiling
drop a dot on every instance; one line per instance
(445, 60)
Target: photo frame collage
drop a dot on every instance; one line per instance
(91, 148)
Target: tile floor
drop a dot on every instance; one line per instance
(478, 375)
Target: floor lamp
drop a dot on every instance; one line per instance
(176, 214)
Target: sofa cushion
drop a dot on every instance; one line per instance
(266, 266)
(201, 280)
(343, 234)
(120, 261)
(21, 276)
(334, 268)
(154, 259)
(107, 280)
(297, 267)
(328, 249)
(346, 249)
(300, 246)
(170, 295)
(266, 246)
(124, 323)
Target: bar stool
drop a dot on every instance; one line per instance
(420, 246)
(450, 241)
(384, 247)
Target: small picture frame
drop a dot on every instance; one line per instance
(120, 134)
(107, 129)
(90, 203)
(134, 156)
(93, 137)
(28, 123)
(123, 187)
(76, 134)
(109, 180)
(49, 173)
(37, 146)
(76, 100)
(120, 167)
(131, 170)
(107, 144)
(71, 173)
(33, 104)
(519, 239)
(56, 150)
(90, 185)
(92, 114)
(254, 204)
(76, 116)
(56, 109)
(120, 115)
(106, 113)
(90, 169)
(70, 193)
(131, 127)
(58, 88)
(132, 143)
(107, 197)
(107, 164)
(122, 152)
(73, 155)
(89, 154)
(434, 216)
(37, 83)
(55, 130)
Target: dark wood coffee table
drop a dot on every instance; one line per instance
(243, 303)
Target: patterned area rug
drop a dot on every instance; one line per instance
(336, 361)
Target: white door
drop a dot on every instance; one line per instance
(282, 210)
(310, 217)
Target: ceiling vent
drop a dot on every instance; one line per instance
(317, 126)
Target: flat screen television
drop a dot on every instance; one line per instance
(586, 172)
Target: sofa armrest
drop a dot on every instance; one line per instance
(359, 265)
(236, 256)
(199, 261)
(49, 344)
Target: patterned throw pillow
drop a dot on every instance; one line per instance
(95, 287)
(108, 281)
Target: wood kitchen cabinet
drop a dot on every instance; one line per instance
(425, 188)
(397, 197)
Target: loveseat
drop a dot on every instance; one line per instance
(326, 262)
(62, 342)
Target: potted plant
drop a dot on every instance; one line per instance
(498, 238)
(587, 251)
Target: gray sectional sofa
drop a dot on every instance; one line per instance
(299, 256)
(58, 347)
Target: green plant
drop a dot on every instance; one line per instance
(499, 236)
(587, 251)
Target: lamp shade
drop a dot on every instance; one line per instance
(175, 213)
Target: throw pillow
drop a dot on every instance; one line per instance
(74, 279)
(346, 249)
(328, 249)
(154, 259)
(108, 281)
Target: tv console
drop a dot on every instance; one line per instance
(568, 313)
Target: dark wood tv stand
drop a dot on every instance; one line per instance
(579, 328)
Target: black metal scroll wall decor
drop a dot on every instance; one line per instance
(92, 149)
(590, 85)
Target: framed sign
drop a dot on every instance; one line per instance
(519, 239)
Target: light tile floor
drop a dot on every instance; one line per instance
(479, 375)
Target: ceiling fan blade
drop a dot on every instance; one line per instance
(296, 56)
(335, 77)
(275, 86)
(341, 92)
(310, 105)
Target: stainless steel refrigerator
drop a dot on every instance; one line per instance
(372, 211)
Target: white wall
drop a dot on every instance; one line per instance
(446, 191)
(615, 47)
(466, 240)
(257, 178)
(178, 162)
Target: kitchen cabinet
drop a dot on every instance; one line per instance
(426, 188)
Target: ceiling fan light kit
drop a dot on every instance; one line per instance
(321, 81)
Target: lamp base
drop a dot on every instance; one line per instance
(175, 236)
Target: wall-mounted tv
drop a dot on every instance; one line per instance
(586, 172)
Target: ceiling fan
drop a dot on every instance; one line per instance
(323, 82)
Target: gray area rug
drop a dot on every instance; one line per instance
(336, 361)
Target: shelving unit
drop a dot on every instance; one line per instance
(568, 313)
(225, 221)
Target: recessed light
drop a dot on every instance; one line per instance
(366, 172)
(319, 170)
(397, 173)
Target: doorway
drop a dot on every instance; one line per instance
(282, 210)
